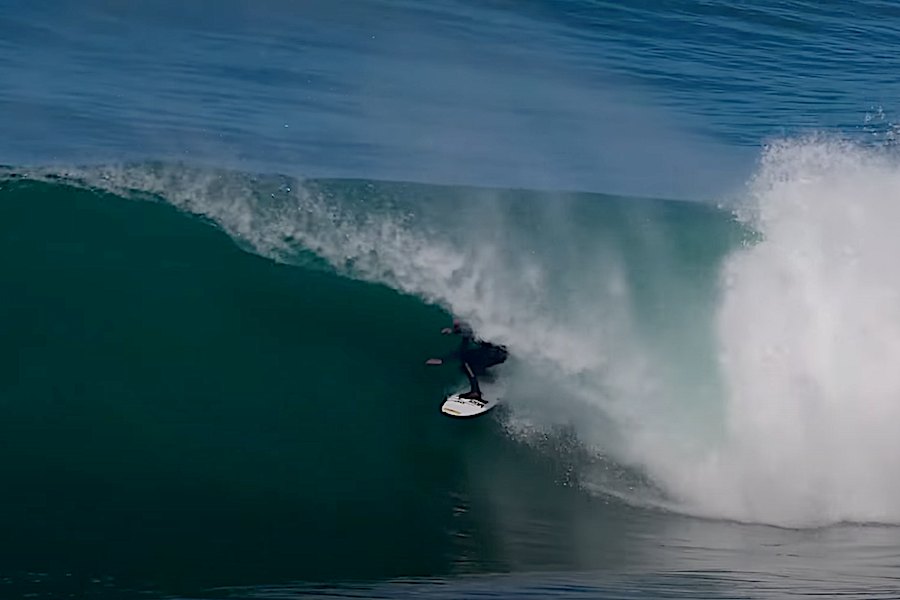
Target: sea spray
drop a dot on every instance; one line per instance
(809, 331)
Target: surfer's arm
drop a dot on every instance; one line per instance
(457, 329)
(439, 360)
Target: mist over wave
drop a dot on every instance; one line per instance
(749, 376)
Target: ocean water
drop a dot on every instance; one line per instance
(231, 233)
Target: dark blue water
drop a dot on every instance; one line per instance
(671, 98)
(695, 416)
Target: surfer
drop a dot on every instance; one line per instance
(475, 356)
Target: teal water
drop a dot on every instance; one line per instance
(231, 235)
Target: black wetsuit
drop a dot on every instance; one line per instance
(476, 356)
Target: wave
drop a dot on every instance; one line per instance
(736, 367)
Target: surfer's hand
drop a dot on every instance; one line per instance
(447, 330)
(434, 361)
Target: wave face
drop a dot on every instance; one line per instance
(169, 399)
(741, 371)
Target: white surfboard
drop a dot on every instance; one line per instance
(455, 406)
